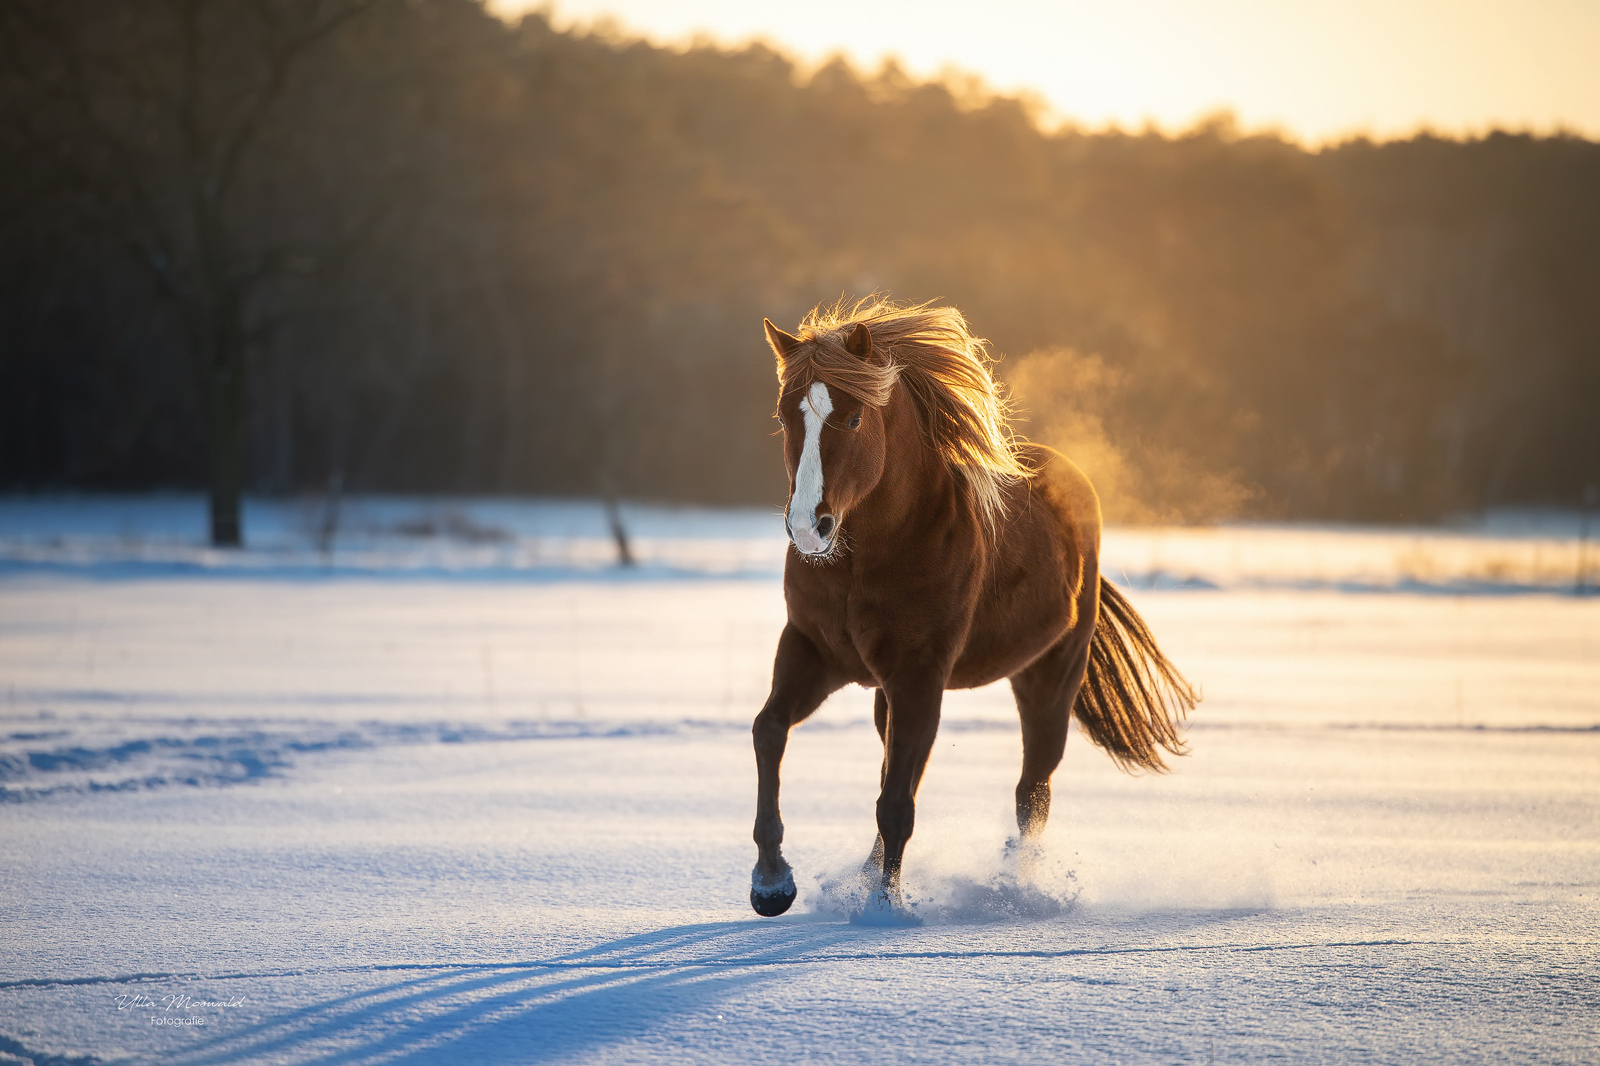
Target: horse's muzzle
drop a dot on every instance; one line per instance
(817, 541)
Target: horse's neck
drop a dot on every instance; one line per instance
(916, 481)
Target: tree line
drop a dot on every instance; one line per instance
(403, 245)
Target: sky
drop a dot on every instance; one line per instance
(1314, 70)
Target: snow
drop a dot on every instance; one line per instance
(498, 539)
(426, 799)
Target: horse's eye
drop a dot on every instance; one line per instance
(779, 418)
(855, 421)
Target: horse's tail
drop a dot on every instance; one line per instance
(1132, 699)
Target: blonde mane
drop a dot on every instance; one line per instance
(944, 368)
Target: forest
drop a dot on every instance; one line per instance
(273, 246)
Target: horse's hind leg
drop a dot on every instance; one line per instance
(801, 680)
(1045, 691)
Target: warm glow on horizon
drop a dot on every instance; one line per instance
(1317, 71)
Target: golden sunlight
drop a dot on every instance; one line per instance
(1318, 71)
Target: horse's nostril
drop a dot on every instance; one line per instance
(825, 525)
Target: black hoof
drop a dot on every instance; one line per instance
(772, 904)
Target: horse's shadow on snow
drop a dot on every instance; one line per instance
(665, 984)
(663, 990)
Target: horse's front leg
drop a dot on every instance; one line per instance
(801, 680)
(880, 719)
(913, 704)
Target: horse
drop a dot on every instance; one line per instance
(932, 549)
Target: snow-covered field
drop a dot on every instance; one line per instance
(389, 536)
(458, 791)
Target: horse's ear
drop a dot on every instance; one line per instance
(859, 343)
(782, 343)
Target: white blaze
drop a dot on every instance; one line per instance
(816, 407)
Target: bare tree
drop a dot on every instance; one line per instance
(162, 106)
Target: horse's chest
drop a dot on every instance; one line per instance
(865, 634)
(830, 627)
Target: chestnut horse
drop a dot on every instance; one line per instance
(934, 551)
